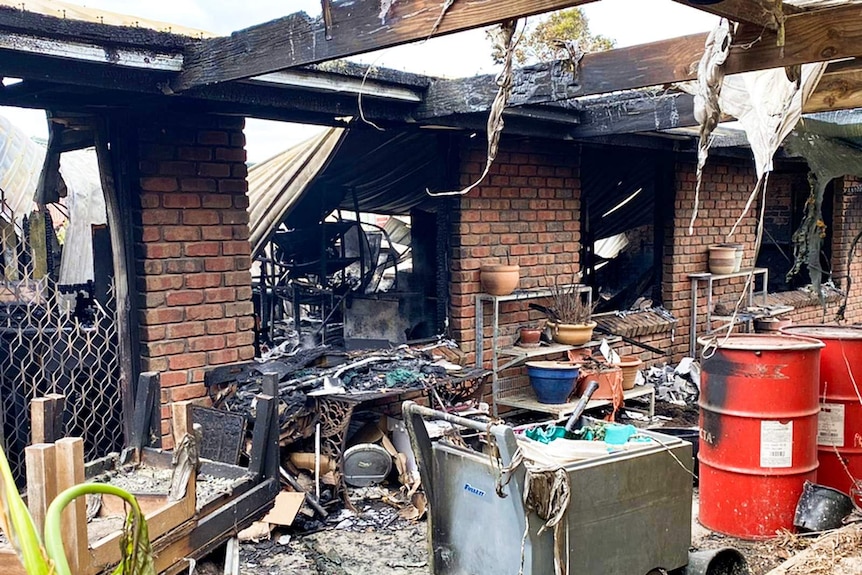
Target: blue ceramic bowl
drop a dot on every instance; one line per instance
(552, 381)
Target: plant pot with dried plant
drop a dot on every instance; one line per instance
(570, 314)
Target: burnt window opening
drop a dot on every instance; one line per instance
(325, 238)
(785, 208)
(366, 281)
(622, 224)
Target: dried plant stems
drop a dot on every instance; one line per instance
(570, 304)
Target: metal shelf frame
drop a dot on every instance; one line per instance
(709, 280)
(515, 356)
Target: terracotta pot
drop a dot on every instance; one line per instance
(738, 253)
(572, 334)
(630, 364)
(610, 381)
(771, 324)
(499, 279)
(529, 336)
(579, 355)
(722, 259)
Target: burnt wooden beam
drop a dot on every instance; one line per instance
(822, 35)
(646, 114)
(357, 26)
(14, 20)
(639, 66)
(752, 11)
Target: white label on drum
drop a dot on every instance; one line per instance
(830, 424)
(776, 444)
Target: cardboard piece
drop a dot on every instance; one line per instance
(287, 504)
(256, 532)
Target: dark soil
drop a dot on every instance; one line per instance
(680, 416)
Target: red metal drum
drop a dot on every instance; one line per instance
(758, 432)
(839, 429)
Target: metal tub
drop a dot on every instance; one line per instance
(629, 514)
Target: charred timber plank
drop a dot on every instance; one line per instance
(122, 275)
(215, 528)
(260, 443)
(22, 21)
(357, 27)
(837, 92)
(148, 389)
(621, 69)
(823, 35)
(744, 11)
(648, 114)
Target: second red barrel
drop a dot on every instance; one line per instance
(839, 432)
(758, 432)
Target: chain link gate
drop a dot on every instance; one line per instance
(56, 339)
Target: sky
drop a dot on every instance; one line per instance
(628, 22)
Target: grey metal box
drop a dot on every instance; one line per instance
(630, 512)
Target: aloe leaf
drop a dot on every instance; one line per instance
(137, 557)
(17, 524)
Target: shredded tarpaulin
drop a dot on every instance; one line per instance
(547, 492)
(767, 103)
(505, 42)
(828, 158)
(707, 112)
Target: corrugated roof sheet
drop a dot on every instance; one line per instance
(60, 9)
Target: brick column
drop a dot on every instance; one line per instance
(527, 207)
(724, 192)
(847, 222)
(192, 251)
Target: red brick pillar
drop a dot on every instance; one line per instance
(192, 251)
(526, 211)
(847, 223)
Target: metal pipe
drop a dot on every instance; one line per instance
(454, 419)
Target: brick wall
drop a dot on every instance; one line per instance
(847, 223)
(192, 251)
(725, 190)
(528, 207)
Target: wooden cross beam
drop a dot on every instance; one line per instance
(750, 11)
(357, 26)
(823, 35)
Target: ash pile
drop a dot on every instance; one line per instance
(306, 374)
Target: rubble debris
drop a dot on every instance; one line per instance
(256, 532)
(679, 385)
(301, 375)
(146, 480)
(287, 505)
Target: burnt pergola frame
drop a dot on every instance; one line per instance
(281, 69)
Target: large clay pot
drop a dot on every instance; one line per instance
(722, 259)
(630, 364)
(499, 279)
(738, 253)
(572, 334)
(610, 381)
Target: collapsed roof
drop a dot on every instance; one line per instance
(278, 70)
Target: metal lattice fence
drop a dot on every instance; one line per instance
(57, 339)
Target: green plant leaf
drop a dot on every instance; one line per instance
(137, 556)
(17, 524)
